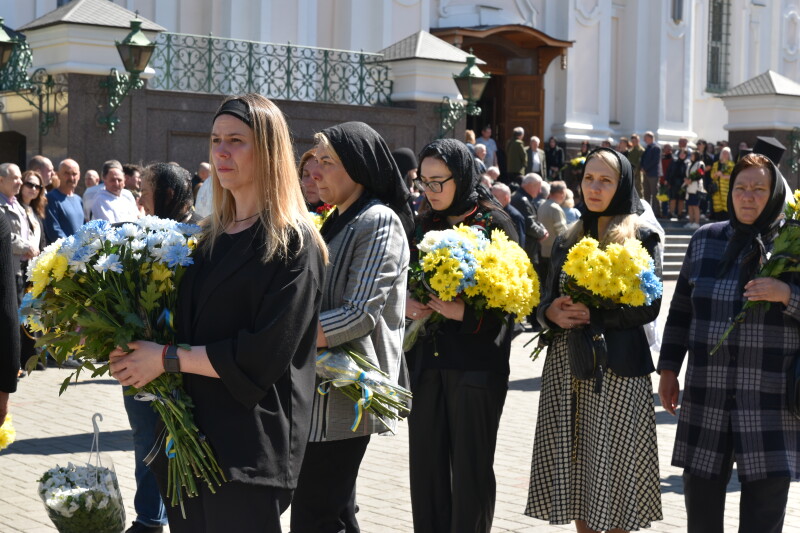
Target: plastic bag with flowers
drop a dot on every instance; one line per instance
(106, 286)
(619, 275)
(370, 389)
(84, 498)
(491, 274)
(785, 257)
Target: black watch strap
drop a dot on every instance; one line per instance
(172, 365)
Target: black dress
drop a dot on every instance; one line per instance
(258, 323)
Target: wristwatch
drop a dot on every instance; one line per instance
(172, 365)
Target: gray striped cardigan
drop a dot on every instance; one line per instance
(363, 305)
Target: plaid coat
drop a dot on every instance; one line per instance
(739, 392)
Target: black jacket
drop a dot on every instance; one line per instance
(534, 230)
(9, 323)
(258, 323)
(628, 348)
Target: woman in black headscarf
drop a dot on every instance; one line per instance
(363, 306)
(460, 370)
(734, 406)
(595, 459)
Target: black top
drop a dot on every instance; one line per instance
(9, 323)
(258, 322)
(476, 343)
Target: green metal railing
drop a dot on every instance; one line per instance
(217, 65)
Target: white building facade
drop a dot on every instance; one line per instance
(634, 65)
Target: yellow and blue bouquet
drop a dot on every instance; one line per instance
(487, 273)
(106, 286)
(604, 278)
(785, 257)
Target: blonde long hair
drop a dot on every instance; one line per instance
(281, 207)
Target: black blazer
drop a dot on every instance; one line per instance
(258, 323)
(9, 323)
(628, 348)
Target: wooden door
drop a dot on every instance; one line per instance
(523, 105)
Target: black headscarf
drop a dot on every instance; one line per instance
(748, 238)
(368, 161)
(625, 201)
(406, 160)
(461, 164)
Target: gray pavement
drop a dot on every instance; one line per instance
(55, 430)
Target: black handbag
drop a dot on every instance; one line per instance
(793, 387)
(587, 353)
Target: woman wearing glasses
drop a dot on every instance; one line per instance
(460, 370)
(33, 199)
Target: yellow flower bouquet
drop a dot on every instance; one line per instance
(487, 273)
(605, 278)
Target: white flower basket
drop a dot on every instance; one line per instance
(84, 498)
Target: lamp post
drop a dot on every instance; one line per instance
(471, 83)
(135, 51)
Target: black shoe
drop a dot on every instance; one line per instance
(138, 527)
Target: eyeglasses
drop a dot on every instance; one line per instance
(433, 186)
(33, 186)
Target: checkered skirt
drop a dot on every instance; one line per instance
(595, 456)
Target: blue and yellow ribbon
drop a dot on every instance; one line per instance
(169, 449)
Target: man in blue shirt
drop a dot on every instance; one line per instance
(64, 207)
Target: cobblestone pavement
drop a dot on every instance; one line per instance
(54, 430)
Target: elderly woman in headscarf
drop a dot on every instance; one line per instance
(460, 370)
(363, 307)
(734, 406)
(595, 458)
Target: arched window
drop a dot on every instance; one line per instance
(718, 42)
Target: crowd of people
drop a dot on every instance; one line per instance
(250, 367)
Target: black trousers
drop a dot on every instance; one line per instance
(325, 498)
(452, 438)
(761, 508)
(235, 507)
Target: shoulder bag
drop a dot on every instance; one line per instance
(588, 355)
(793, 386)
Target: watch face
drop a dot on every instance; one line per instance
(172, 364)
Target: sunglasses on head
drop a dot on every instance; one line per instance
(31, 185)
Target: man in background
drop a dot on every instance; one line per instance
(111, 203)
(64, 208)
(44, 167)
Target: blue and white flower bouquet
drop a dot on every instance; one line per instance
(106, 286)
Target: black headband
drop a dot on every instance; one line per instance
(236, 108)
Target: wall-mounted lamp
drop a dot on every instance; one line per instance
(471, 83)
(135, 51)
(41, 90)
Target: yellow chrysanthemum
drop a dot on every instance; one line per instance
(59, 266)
(7, 433)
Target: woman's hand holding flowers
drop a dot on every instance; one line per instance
(567, 314)
(454, 309)
(767, 290)
(138, 367)
(416, 310)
